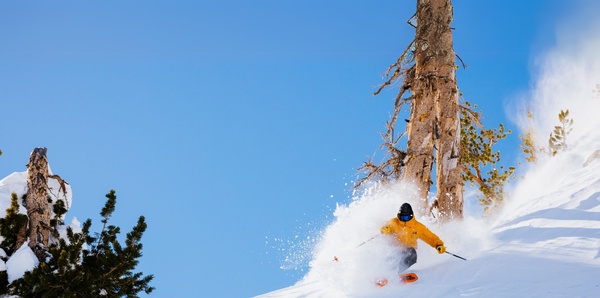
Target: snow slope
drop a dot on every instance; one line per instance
(546, 242)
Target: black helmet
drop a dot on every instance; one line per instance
(405, 213)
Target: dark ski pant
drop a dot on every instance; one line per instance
(409, 258)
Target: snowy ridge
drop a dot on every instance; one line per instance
(540, 245)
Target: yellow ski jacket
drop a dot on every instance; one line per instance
(407, 233)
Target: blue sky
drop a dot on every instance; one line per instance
(233, 126)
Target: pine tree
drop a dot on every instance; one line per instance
(89, 266)
(11, 226)
(478, 155)
(528, 145)
(558, 138)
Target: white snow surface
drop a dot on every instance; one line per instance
(546, 242)
(21, 261)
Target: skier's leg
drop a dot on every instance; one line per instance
(409, 258)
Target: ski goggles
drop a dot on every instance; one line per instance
(404, 217)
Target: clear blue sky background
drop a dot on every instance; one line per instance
(233, 126)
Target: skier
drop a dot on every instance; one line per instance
(407, 230)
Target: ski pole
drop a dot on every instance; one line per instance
(455, 255)
(368, 240)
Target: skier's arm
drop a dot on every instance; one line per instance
(386, 229)
(432, 239)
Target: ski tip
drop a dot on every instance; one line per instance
(381, 282)
(404, 278)
(408, 277)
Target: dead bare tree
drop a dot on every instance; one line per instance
(449, 183)
(427, 68)
(36, 201)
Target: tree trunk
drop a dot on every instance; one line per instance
(420, 142)
(434, 118)
(36, 201)
(449, 172)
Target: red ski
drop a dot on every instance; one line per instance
(404, 278)
(408, 277)
(381, 282)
